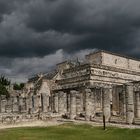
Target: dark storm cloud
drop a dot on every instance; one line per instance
(98, 24)
(39, 30)
(5, 7)
(105, 24)
(58, 15)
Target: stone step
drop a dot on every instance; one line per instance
(97, 119)
(117, 120)
(137, 121)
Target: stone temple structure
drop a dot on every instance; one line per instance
(105, 84)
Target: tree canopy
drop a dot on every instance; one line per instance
(4, 83)
(18, 86)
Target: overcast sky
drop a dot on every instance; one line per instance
(37, 34)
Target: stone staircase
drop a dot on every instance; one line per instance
(137, 121)
(97, 119)
(117, 119)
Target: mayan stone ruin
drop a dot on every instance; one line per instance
(104, 84)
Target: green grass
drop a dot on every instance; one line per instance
(69, 132)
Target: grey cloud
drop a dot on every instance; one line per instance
(19, 69)
(105, 24)
(88, 24)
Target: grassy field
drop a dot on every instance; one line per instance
(69, 132)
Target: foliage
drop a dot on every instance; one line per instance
(18, 86)
(4, 82)
(3, 90)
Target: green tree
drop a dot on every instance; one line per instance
(18, 86)
(4, 83)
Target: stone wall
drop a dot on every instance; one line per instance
(121, 62)
(115, 61)
(94, 58)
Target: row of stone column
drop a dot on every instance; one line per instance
(132, 104)
(12, 105)
(73, 103)
(19, 104)
(129, 103)
(70, 102)
(38, 103)
(137, 97)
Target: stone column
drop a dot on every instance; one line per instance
(78, 103)
(15, 105)
(50, 103)
(39, 107)
(72, 104)
(36, 103)
(24, 104)
(93, 102)
(65, 102)
(62, 102)
(27, 104)
(122, 104)
(129, 103)
(9, 105)
(106, 103)
(45, 102)
(20, 104)
(56, 102)
(89, 106)
(68, 102)
(31, 104)
(115, 101)
(3, 103)
(138, 104)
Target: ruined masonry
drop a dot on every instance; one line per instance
(104, 84)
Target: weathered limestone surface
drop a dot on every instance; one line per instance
(45, 102)
(3, 103)
(36, 104)
(137, 97)
(62, 102)
(27, 104)
(68, 102)
(129, 104)
(122, 103)
(73, 104)
(106, 103)
(15, 104)
(78, 103)
(31, 104)
(89, 106)
(56, 102)
(8, 107)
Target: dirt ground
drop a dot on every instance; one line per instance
(59, 122)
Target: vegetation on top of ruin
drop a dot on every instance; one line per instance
(18, 86)
(4, 83)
